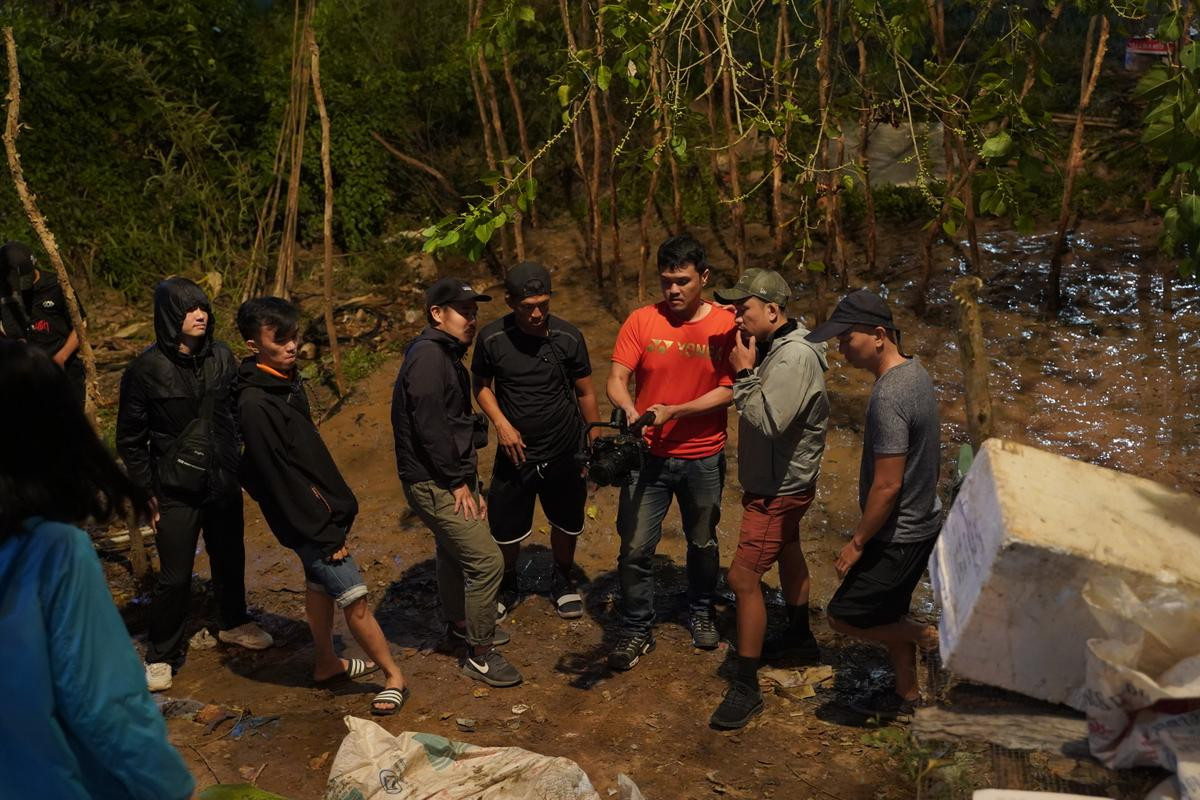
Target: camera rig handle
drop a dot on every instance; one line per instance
(619, 422)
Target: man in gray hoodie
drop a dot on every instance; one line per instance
(779, 392)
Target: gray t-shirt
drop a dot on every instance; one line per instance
(902, 417)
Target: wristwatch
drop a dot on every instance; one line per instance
(743, 373)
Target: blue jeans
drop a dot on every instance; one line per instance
(339, 579)
(696, 483)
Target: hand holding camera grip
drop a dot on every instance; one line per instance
(641, 422)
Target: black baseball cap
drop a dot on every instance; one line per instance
(17, 265)
(857, 308)
(527, 279)
(448, 291)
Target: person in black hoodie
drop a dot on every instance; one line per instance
(177, 436)
(435, 437)
(288, 470)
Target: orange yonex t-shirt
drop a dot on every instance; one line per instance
(674, 362)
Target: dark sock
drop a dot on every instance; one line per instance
(747, 670)
(509, 582)
(798, 623)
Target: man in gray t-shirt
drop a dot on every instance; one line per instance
(901, 514)
(902, 419)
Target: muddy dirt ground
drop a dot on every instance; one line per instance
(1114, 382)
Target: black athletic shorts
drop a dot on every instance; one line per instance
(878, 588)
(558, 484)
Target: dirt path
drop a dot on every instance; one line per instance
(1109, 388)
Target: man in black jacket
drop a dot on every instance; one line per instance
(306, 502)
(435, 433)
(177, 436)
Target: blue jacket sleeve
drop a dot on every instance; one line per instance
(100, 693)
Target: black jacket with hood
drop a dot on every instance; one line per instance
(286, 466)
(432, 420)
(162, 390)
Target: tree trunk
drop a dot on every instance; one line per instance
(973, 354)
(522, 134)
(597, 156)
(285, 264)
(474, 8)
(270, 206)
(710, 84)
(864, 145)
(1087, 85)
(12, 128)
(493, 105)
(593, 250)
(327, 230)
(737, 207)
(668, 116)
(778, 144)
(617, 267)
(659, 144)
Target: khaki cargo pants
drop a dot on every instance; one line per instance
(469, 563)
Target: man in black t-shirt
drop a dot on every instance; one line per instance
(48, 324)
(50, 328)
(532, 377)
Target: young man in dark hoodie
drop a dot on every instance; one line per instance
(288, 470)
(177, 436)
(435, 431)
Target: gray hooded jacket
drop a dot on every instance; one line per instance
(783, 413)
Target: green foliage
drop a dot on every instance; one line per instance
(1173, 135)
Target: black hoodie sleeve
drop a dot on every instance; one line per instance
(426, 384)
(133, 430)
(277, 482)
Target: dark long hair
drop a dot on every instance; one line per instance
(52, 464)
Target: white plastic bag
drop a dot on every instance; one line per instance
(372, 764)
(1142, 694)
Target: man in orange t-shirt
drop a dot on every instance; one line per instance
(676, 353)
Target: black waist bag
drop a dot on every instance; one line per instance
(184, 468)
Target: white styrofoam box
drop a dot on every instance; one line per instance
(1026, 532)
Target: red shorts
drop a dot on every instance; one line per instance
(769, 524)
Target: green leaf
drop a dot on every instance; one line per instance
(483, 233)
(525, 13)
(564, 95)
(1189, 57)
(949, 227)
(1189, 210)
(1192, 123)
(997, 145)
(1168, 28)
(815, 266)
(1155, 79)
(603, 77)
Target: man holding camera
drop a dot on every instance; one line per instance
(779, 392)
(532, 377)
(436, 436)
(676, 351)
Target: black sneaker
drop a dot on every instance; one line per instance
(742, 703)
(884, 704)
(499, 636)
(785, 648)
(704, 631)
(629, 650)
(491, 668)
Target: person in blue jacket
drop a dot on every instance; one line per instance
(78, 721)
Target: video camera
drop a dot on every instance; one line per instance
(610, 460)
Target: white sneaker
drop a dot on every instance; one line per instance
(248, 635)
(158, 676)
